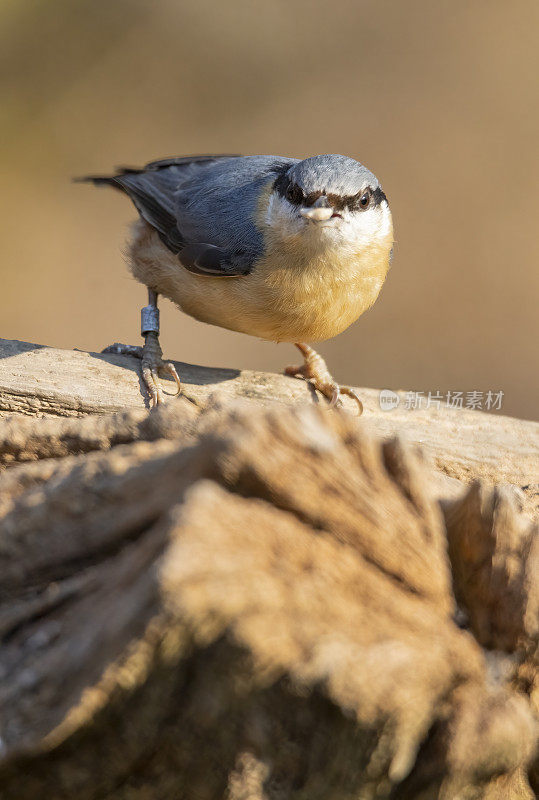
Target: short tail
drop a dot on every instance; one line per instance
(100, 180)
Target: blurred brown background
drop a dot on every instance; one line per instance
(438, 99)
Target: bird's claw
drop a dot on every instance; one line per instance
(336, 399)
(152, 369)
(314, 370)
(152, 366)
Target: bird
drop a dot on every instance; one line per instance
(284, 249)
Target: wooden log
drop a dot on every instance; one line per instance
(463, 444)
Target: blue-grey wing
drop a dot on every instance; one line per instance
(203, 207)
(219, 204)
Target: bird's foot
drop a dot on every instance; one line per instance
(119, 349)
(153, 365)
(314, 369)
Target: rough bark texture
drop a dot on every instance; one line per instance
(226, 599)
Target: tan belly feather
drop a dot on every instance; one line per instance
(286, 297)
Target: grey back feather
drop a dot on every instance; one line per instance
(219, 204)
(152, 190)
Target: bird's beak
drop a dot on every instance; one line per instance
(319, 211)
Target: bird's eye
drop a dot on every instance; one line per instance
(294, 194)
(365, 199)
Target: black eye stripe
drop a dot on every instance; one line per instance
(294, 194)
(283, 184)
(378, 196)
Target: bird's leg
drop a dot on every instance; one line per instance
(314, 369)
(151, 353)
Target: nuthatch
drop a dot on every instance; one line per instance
(287, 250)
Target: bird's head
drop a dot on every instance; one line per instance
(329, 199)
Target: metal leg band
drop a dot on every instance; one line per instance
(149, 320)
